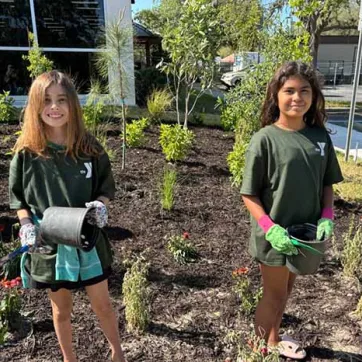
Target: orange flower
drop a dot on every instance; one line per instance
(240, 271)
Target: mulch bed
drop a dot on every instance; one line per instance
(193, 306)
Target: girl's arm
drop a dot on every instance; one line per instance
(103, 199)
(24, 214)
(328, 197)
(254, 205)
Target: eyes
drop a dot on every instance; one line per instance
(60, 100)
(292, 91)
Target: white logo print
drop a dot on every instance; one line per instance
(88, 166)
(321, 145)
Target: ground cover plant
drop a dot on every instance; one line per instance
(193, 307)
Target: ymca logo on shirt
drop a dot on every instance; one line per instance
(321, 146)
(88, 170)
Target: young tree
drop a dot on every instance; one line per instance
(38, 62)
(111, 63)
(192, 41)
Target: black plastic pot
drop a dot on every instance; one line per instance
(306, 262)
(68, 226)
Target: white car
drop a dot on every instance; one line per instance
(232, 79)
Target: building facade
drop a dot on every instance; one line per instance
(67, 31)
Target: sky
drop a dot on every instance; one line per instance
(142, 4)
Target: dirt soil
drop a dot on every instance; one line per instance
(193, 306)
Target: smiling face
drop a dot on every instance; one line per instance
(294, 98)
(55, 113)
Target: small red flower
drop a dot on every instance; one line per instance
(186, 235)
(240, 271)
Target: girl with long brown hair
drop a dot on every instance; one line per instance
(290, 168)
(57, 163)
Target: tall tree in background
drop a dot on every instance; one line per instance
(326, 16)
(241, 20)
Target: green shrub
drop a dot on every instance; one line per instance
(7, 110)
(135, 132)
(157, 104)
(167, 188)
(135, 296)
(101, 135)
(236, 162)
(182, 249)
(175, 141)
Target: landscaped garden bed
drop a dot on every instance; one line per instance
(193, 307)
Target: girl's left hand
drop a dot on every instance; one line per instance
(324, 228)
(98, 215)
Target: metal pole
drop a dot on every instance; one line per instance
(355, 86)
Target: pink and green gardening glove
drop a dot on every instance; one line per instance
(325, 224)
(277, 236)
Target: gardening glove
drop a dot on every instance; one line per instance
(28, 235)
(98, 215)
(324, 229)
(325, 224)
(279, 239)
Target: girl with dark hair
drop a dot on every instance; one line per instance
(57, 163)
(290, 168)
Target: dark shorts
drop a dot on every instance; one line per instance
(54, 287)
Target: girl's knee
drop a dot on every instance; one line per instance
(103, 308)
(276, 301)
(62, 314)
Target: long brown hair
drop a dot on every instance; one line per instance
(33, 137)
(316, 115)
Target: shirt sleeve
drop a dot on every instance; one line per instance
(16, 188)
(104, 184)
(254, 170)
(333, 172)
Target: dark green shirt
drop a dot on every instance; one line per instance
(288, 170)
(36, 183)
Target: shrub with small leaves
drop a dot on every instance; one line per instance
(251, 347)
(136, 295)
(10, 305)
(7, 110)
(135, 132)
(247, 297)
(181, 248)
(176, 141)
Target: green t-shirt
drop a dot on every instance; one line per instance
(288, 170)
(36, 183)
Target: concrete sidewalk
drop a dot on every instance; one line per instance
(339, 137)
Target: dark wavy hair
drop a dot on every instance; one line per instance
(316, 115)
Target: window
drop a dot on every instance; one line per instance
(14, 76)
(15, 21)
(69, 24)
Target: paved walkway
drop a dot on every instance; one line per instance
(339, 137)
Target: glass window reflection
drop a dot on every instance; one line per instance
(68, 23)
(14, 76)
(15, 21)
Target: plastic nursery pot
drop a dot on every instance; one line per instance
(307, 261)
(68, 226)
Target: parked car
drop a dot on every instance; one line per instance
(232, 79)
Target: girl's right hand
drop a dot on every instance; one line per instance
(279, 239)
(28, 235)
